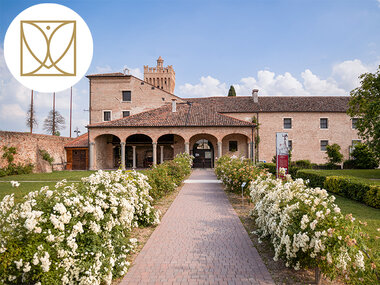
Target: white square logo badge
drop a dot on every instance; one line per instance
(48, 48)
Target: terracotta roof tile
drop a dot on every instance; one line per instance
(81, 141)
(245, 104)
(187, 115)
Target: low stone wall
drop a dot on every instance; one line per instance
(28, 146)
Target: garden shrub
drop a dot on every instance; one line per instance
(354, 189)
(12, 168)
(46, 156)
(271, 167)
(235, 171)
(363, 157)
(307, 230)
(302, 164)
(314, 179)
(345, 186)
(349, 164)
(334, 156)
(74, 234)
(165, 177)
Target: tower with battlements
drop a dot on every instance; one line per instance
(160, 76)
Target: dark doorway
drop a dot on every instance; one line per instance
(203, 153)
(79, 160)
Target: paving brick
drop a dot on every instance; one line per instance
(200, 240)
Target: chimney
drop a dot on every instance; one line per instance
(255, 95)
(174, 105)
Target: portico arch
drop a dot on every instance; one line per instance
(169, 145)
(107, 151)
(236, 144)
(202, 147)
(139, 151)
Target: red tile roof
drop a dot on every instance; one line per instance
(245, 104)
(81, 141)
(187, 115)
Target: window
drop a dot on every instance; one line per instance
(323, 145)
(354, 121)
(106, 116)
(287, 123)
(126, 113)
(127, 96)
(324, 123)
(290, 144)
(232, 146)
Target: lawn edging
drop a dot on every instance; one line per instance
(345, 186)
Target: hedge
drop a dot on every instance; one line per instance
(344, 186)
(271, 167)
(165, 177)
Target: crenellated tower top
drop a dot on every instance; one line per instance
(160, 76)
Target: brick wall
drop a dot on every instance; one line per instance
(305, 133)
(28, 146)
(106, 95)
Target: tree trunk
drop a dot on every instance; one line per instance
(318, 276)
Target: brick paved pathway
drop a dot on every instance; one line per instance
(200, 241)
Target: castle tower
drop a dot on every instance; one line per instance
(160, 76)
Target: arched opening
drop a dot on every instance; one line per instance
(107, 152)
(203, 149)
(138, 151)
(235, 144)
(168, 146)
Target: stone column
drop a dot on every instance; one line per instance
(187, 147)
(134, 156)
(249, 150)
(219, 149)
(91, 156)
(162, 154)
(154, 153)
(122, 146)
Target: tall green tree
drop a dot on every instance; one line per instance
(232, 92)
(365, 106)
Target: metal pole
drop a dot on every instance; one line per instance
(53, 128)
(71, 108)
(31, 113)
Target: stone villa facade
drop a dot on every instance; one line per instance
(135, 123)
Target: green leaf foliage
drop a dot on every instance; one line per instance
(365, 106)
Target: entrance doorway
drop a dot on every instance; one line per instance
(79, 160)
(203, 153)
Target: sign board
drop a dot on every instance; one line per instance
(282, 152)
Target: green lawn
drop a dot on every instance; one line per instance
(26, 187)
(369, 176)
(363, 213)
(54, 176)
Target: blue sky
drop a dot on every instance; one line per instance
(281, 47)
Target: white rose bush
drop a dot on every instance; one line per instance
(75, 233)
(308, 230)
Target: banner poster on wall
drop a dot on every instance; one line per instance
(282, 153)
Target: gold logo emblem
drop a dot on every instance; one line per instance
(48, 48)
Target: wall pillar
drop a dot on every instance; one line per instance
(219, 149)
(122, 147)
(187, 147)
(133, 156)
(162, 154)
(154, 153)
(91, 165)
(249, 150)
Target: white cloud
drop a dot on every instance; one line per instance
(12, 112)
(135, 72)
(378, 2)
(347, 73)
(344, 78)
(103, 69)
(208, 86)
